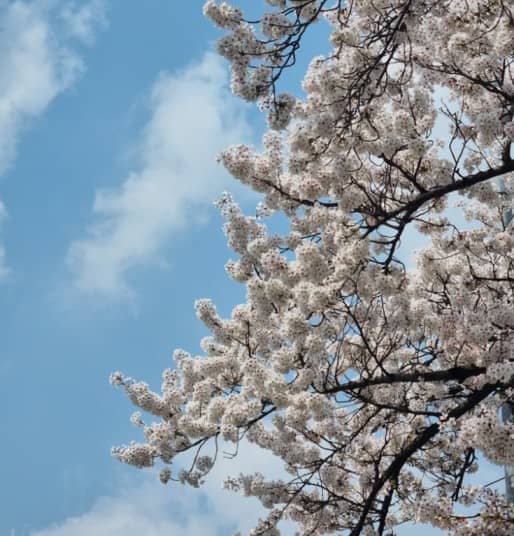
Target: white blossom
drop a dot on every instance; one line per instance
(377, 384)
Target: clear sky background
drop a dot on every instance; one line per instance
(111, 116)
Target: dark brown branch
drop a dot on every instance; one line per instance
(456, 373)
(393, 470)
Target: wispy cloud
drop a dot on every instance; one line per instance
(152, 509)
(37, 63)
(82, 21)
(145, 507)
(192, 118)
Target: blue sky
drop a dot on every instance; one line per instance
(111, 115)
(104, 118)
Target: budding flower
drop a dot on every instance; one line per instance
(165, 475)
(116, 379)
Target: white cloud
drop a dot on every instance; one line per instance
(37, 63)
(148, 508)
(154, 510)
(83, 21)
(192, 118)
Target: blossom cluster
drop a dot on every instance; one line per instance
(375, 383)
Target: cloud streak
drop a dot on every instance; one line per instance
(192, 118)
(154, 510)
(149, 508)
(38, 62)
(83, 22)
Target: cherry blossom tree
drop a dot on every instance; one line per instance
(377, 384)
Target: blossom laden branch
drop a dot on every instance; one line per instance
(377, 384)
